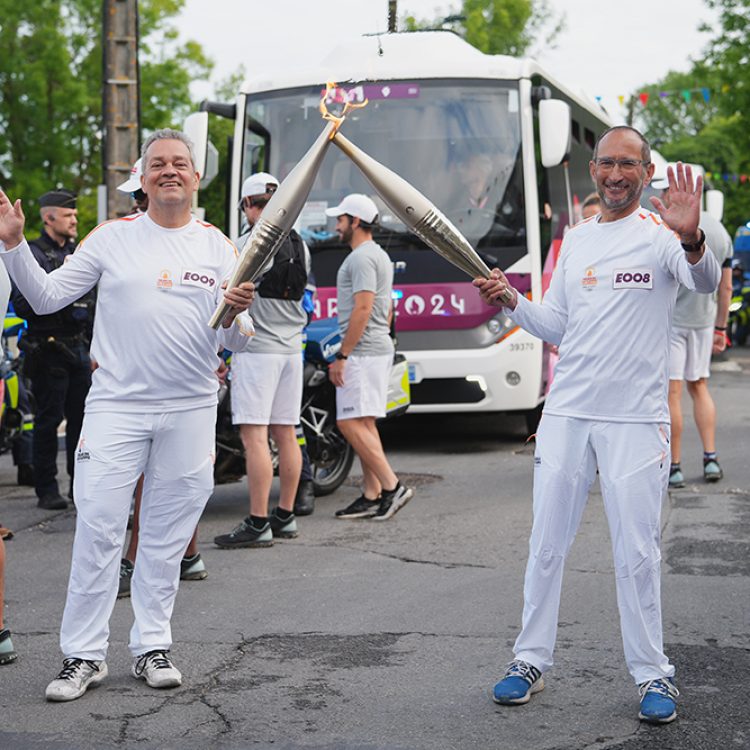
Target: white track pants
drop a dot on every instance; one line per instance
(633, 462)
(175, 451)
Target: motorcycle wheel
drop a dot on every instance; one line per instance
(331, 460)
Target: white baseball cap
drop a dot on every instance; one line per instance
(259, 183)
(133, 182)
(356, 204)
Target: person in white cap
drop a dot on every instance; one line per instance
(699, 329)
(133, 186)
(151, 408)
(267, 382)
(360, 372)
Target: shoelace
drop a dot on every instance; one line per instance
(522, 669)
(663, 687)
(72, 666)
(158, 660)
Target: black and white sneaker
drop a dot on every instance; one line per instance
(76, 676)
(246, 535)
(157, 669)
(392, 502)
(360, 508)
(283, 528)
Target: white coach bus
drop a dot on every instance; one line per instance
(498, 144)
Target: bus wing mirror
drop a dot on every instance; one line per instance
(196, 128)
(554, 131)
(715, 204)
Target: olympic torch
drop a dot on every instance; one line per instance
(418, 213)
(277, 219)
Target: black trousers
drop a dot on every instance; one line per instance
(60, 384)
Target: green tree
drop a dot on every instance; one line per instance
(50, 92)
(499, 27)
(220, 131)
(712, 131)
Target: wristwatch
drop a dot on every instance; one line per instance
(341, 355)
(695, 246)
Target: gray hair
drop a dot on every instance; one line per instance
(167, 134)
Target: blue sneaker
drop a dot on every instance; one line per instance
(658, 701)
(521, 681)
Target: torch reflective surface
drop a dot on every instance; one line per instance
(277, 219)
(418, 213)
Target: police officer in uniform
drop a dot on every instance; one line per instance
(56, 349)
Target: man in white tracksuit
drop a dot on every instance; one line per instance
(609, 309)
(151, 408)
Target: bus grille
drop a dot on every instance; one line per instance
(446, 391)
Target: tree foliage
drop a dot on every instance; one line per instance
(499, 27)
(713, 133)
(50, 92)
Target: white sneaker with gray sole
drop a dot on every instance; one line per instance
(157, 669)
(75, 678)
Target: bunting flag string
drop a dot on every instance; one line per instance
(688, 95)
(742, 179)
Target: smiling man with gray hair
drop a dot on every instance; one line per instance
(151, 408)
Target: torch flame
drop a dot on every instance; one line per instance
(337, 120)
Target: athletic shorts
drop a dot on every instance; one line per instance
(365, 389)
(266, 388)
(690, 353)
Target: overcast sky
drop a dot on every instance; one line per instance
(609, 47)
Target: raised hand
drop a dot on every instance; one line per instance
(12, 221)
(684, 210)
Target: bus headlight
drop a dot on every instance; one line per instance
(499, 325)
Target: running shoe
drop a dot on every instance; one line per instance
(392, 502)
(658, 701)
(246, 535)
(193, 568)
(283, 529)
(711, 470)
(521, 681)
(7, 652)
(75, 678)
(126, 576)
(676, 478)
(360, 508)
(157, 669)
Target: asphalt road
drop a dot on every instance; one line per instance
(364, 636)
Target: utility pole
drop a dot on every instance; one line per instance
(121, 99)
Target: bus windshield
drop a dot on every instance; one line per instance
(457, 141)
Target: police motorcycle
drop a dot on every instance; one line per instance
(331, 456)
(738, 324)
(16, 418)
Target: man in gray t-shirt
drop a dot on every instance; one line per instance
(699, 326)
(363, 364)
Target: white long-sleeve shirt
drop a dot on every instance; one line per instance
(157, 289)
(609, 308)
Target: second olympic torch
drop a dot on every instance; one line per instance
(277, 219)
(418, 213)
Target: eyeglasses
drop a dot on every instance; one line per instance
(607, 164)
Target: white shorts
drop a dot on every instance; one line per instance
(266, 388)
(365, 389)
(690, 353)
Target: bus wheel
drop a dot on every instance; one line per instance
(532, 417)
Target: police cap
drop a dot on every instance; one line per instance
(58, 199)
